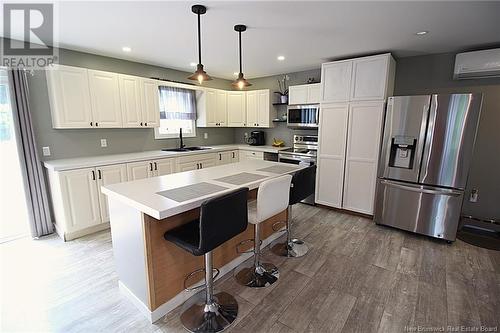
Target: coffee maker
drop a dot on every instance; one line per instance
(256, 138)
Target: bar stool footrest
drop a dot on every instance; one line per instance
(250, 240)
(201, 286)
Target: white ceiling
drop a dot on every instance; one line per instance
(306, 32)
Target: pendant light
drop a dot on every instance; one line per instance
(240, 82)
(200, 75)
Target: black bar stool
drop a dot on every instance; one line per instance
(272, 199)
(303, 182)
(221, 218)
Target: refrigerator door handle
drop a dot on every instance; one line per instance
(422, 189)
(428, 138)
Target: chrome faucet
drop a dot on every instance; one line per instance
(181, 144)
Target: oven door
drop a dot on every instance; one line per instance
(302, 116)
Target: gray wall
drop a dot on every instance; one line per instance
(433, 74)
(280, 131)
(67, 143)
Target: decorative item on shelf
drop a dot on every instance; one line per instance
(283, 89)
(240, 82)
(278, 143)
(311, 80)
(200, 75)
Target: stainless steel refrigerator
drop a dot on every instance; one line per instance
(424, 162)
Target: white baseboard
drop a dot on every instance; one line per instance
(181, 297)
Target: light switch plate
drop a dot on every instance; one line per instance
(205, 135)
(46, 151)
(104, 143)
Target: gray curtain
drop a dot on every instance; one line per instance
(32, 170)
(177, 103)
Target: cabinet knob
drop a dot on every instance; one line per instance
(96, 123)
(141, 123)
(90, 123)
(99, 173)
(145, 124)
(93, 175)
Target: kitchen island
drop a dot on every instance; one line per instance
(151, 270)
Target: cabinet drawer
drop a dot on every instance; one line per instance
(197, 158)
(249, 154)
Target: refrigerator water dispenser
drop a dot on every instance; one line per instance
(402, 152)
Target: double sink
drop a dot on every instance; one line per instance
(195, 148)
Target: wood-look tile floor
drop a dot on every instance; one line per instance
(357, 277)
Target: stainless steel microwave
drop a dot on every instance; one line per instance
(303, 116)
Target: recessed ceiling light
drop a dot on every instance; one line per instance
(192, 64)
(421, 33)
(281, 58)
(126, 49)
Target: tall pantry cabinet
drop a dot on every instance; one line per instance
(353, 95)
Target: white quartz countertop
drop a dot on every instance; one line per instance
(92, 161)
(143, 194)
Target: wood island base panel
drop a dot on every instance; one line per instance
(152, 270)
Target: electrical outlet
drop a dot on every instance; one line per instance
(474, 194)
(104, 143)
(245, 135)
(46, 151)
(205, 135)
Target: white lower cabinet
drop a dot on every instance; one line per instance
(227, 157)
(107, 175)
(79, 206)
(153, 168)
(196, 162)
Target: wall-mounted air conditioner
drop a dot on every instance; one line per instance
(477, 64)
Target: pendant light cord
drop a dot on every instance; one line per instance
(199, 39)
(240, 51)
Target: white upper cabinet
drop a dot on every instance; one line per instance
(251, 108)
(361, 79)
(264, 109)
(131, 100)
(211, 108)
(221, 108)
(105, 99)
(84, 98)
(236, 113)
(297, 95)
(336, 81)
(313, 93)
(69, 97)
(370, 78)
(304, 94)
(259, 110)
(150, 99)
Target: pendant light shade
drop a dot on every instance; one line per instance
(200, 75)
(240, 82)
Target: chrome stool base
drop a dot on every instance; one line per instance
(215, 317)
(261, 276)
(293, 249)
